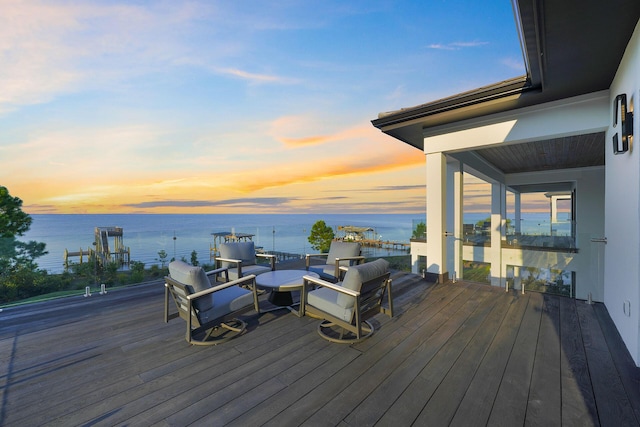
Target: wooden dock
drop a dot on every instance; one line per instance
(458, 354)
(366, 236)
(385, 244)
(102, 249)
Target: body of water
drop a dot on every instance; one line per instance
(146, 235)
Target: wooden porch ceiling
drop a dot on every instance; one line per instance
(558, 153)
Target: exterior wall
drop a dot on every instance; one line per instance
(622, 225)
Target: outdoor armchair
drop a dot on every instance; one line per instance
(206, 306)
(344, 307)
(341, 254)
(240, 258)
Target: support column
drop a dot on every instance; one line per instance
(498, 213)
(436, 219)
(454, 218)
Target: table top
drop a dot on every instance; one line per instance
(283, 280)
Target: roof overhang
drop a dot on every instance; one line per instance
(571, 48)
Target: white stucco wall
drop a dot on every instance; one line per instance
(622, 210)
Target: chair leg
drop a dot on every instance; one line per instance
(218, 334)
(338, 334)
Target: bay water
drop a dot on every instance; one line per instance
(148, 234)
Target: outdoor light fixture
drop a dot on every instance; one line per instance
(626, 120)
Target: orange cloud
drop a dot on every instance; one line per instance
(328, 168)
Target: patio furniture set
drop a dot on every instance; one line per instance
(343, 293)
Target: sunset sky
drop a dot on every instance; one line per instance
(231, 106)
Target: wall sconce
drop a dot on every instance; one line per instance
(626, 122)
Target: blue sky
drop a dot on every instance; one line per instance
(223, 107)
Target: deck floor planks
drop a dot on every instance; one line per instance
(403, 362)
(199, 379)
(128, 367)
(629, 374)
(578, 402)
(441, 408)
(320, 366)
(74, 377)
(394, 330)
(614, 406)
(510, 404)
(430, 363)
(406, 356)
(325, 392)
(243, 381)
(475, 406)
(544, 403)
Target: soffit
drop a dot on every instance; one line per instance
(558, 153)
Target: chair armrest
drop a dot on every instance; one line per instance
(358, 258)
(234, 261)
(333, 286)
(307, 258)
(272, 259)
(342, 270)
(217, 271)
(237, 262)
(241, 281)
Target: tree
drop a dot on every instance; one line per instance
(19, 274)
(420, 232)
(321, 236)
(13, 221)
(15, 254)
(162, 257)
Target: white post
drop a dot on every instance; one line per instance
(436, 219)
(87, 291)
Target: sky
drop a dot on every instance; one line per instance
(232, 106)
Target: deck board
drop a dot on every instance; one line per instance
(510, 404)
(614, 405)
(442, 407)
(475, 406)
(544, 402)
(578, 403)
(454, 354)
(628, 374)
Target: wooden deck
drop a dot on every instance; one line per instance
(455, 354)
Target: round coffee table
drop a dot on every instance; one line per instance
(282, 283)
